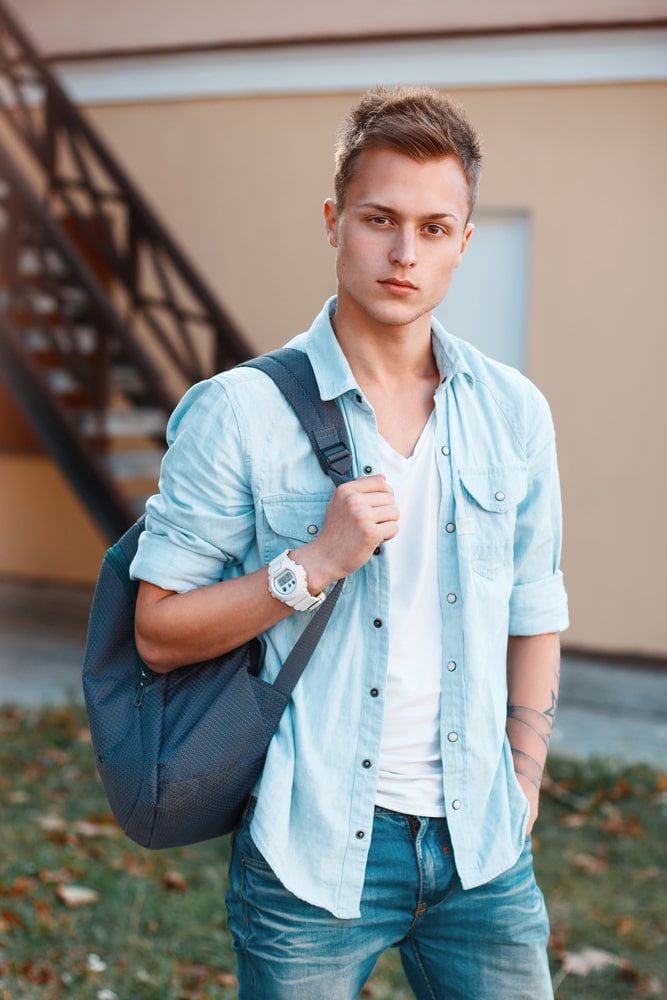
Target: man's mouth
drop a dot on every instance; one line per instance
(398, 285)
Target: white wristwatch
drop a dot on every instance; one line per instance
(289, 583)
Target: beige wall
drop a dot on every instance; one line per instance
(89, 25)
(45, 532)
(241, 181)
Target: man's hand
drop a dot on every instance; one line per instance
(361, 515)
(173, 629)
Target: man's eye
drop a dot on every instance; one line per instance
(379, 220)
(434, 230)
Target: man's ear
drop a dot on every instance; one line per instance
(330, 221)
(466, 239)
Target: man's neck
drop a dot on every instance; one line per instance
(383, 354)
(396, 370)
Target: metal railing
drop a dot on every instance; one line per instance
(159, 292)
(55, 320)
(103, 320)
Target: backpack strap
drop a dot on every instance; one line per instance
(322, 421)
(293, 373)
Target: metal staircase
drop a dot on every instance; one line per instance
(103, 321)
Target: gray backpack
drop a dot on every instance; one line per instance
(179, 753)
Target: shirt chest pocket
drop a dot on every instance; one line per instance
(491, 496)
(288, 521)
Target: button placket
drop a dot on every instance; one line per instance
(451, 589)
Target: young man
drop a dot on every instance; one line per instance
(400, 789)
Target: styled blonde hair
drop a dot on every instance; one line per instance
(419, 122)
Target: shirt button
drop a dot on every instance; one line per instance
(360, 834)
(500, 495)
(374, 692)
(456, 804)
(358, 397)
(312, 529)
(450, 527)
(451, 598)
(377, 551)
(445, 449)
(366, 763)
(377, 622)
(368, 469)
(451, 665)
(452, 737)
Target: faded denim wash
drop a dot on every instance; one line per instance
(487, 943)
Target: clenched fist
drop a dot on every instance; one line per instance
(361, 515)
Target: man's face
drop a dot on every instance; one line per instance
(399, 236)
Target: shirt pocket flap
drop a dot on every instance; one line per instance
(296, 518)
(496, 488)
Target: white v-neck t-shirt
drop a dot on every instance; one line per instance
(410, 771)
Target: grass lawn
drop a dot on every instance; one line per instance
(87, 915)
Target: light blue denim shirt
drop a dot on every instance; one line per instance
(240, 484)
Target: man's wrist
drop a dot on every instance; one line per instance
(319, 576)
(288, 583)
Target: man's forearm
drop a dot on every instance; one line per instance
(533, 673)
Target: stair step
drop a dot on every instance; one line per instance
(126, 378)
(60, 382)
(31, 262)
(36, 341)
(148, 422)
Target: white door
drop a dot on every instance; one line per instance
(487, 303)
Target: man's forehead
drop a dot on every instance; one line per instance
(394, 182)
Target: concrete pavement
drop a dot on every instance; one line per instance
(607, 709)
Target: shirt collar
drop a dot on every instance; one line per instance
(449, 357)
(332, 371)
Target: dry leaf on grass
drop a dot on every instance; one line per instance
(174, 881)
(650, 987)
(582, 963)
(93, 828)
(75, 896)
(51, 823)
(589, 863)
(227, 979)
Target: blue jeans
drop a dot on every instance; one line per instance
(487, 943)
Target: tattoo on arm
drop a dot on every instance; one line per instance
(541, 723)
(529, 729)
(527, 766)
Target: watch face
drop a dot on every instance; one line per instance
(286, 582)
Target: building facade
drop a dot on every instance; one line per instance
(228, 128)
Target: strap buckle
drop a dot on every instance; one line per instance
(338, 457)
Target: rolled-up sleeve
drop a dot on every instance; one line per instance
(538, 602)
(202, 521)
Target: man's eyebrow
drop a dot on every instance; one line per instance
(387, 210)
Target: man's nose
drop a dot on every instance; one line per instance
(404, 249)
